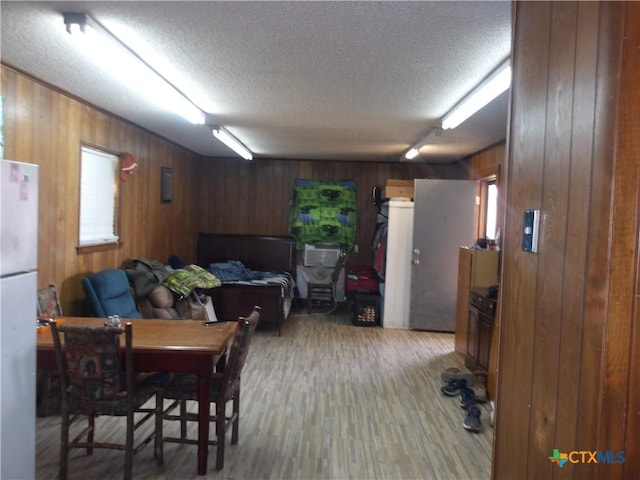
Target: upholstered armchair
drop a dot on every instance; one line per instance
(109, 294)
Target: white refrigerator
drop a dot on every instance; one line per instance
(18, 296)
(397, 278)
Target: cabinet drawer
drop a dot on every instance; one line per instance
(483, 304)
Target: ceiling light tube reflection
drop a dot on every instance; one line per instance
(230, 141)
(498, 82)
(118, 59)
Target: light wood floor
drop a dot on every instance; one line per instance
(326, 400)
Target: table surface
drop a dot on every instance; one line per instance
(161, 335)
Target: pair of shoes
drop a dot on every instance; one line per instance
(452, 388)
(454, 373)
(472, 421)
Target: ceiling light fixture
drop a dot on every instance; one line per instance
(124, 63)
(232, 142)
(496, 83)
(415, 150)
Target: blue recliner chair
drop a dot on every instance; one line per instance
(108, 292)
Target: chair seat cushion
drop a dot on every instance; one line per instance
(143, 390)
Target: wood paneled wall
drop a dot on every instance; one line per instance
(487, 162)
(253, 197)
(568, 365)
(46, 127)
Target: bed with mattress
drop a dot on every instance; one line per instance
(254, 270)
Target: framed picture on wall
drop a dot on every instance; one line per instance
(166, 184)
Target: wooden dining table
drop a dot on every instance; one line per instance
(185, 346)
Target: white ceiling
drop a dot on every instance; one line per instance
(302, 80)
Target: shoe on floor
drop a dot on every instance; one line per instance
(472, 421)
(467, 397)
(453, 388)
(451, 374)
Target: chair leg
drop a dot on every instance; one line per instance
(45, 393)
(64, 446)
(183, 419)
(220, 433)
(158, 447)
(92, 426)
(235, 428)
(128, 457)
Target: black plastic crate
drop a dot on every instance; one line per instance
(365, 310)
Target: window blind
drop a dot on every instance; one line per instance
(98, 189)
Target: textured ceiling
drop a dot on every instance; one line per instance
(301, 80)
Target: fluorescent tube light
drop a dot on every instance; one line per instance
(232, 142)
(414, 151)
(480, 96)
(118, 59)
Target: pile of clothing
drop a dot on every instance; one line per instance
(172, 293)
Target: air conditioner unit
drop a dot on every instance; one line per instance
(321, 255)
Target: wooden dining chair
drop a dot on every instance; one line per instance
(93, 382)
(49, 302)
(324, 294)
(48, 307)
(225, 387)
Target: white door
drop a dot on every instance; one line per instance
(443, 221)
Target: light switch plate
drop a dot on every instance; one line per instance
(530, 230)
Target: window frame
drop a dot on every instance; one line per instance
(483, 186)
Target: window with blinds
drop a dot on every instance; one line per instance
(98, 197)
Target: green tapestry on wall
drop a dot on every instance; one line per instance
(323, 212)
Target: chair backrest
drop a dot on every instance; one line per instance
(109, 294)
(90, 363)
(342, 258)
(49, 303)
(240, 347)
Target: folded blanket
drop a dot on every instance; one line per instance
(183, 281)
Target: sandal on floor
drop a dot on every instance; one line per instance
(450, 374)
(480, 386)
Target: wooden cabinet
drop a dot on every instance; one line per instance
(481, 317)
(476, 268)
